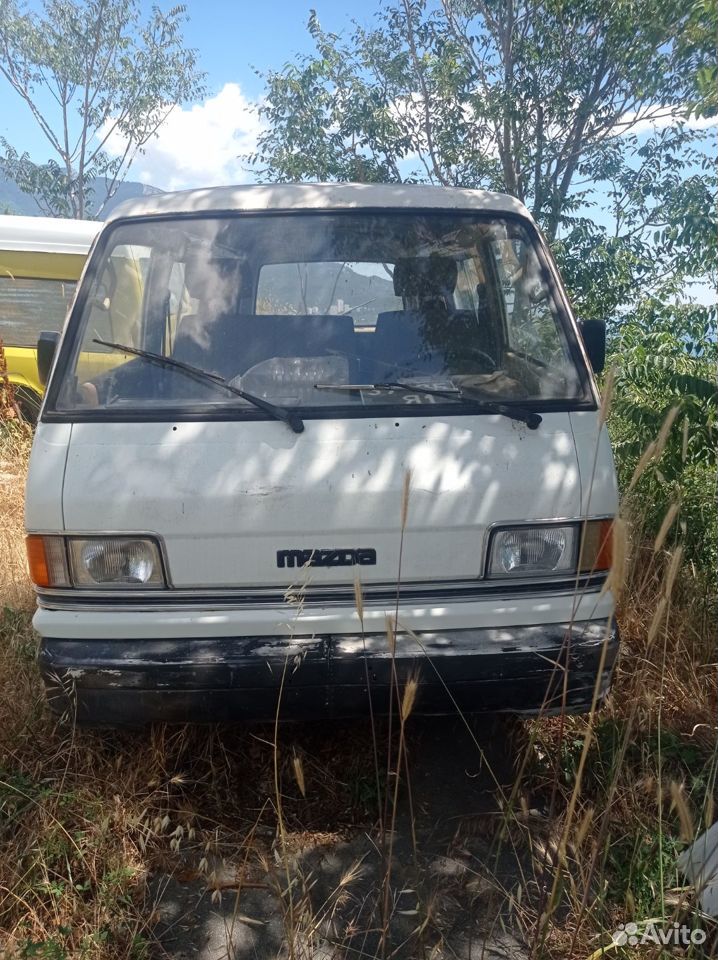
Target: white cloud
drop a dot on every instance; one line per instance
(659, 118)
(198, 146)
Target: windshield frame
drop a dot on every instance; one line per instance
(587, 399)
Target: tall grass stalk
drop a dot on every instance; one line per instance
(291, 932)
(359, 604)
(393, 769)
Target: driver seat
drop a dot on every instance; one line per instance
(429, 337)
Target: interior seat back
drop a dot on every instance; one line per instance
(230, 344)
(411, 342)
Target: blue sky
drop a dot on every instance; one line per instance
(233, 39)
(200, 144)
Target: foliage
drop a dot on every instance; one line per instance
(465, 94)
(697, 48)
(91, 72)
(641, 854)
(658, 230)
(665, 356)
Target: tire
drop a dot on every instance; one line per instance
(28, 400)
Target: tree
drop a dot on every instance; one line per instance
(697, 47)
(664, 356)
(90, 72)
(518, 95)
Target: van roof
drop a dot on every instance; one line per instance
(47, 234)
(318, 196)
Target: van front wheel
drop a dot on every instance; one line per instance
(28, 400)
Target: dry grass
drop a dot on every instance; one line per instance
(600, 809)
(86, 817)
(15, 442)
(649, 782)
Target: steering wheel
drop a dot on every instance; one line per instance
(486, 358)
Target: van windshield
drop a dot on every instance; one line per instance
(277, 304)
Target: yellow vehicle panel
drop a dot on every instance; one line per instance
(41, 260)
(36, 290)
(47, 266)
(22, 367)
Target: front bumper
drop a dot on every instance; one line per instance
(547, 668)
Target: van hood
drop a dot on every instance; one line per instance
(235, 503)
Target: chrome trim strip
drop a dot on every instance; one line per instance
(340, 595)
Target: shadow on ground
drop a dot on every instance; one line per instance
(446, 892)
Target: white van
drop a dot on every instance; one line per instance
(323, 390)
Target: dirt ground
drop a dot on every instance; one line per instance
(448, 886)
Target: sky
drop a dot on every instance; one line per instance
(200, 144)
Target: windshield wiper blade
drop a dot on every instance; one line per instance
(290, 417)
(531, 419)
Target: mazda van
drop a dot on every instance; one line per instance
(349, 434)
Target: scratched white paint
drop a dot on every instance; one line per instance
(225, 497)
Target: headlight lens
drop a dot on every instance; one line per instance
(534, 551)
(116, 562)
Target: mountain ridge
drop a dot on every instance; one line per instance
(15, 201)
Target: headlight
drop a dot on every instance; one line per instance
(533, 551)
(113, 562)
(550, 550)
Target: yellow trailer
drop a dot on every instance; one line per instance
(41, 259)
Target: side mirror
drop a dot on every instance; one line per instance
(46, 347)
(594, 340)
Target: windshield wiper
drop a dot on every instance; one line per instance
(290, 417)
(531, 419)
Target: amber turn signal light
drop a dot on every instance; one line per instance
(47, 560)
(596, 546)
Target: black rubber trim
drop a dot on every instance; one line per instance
(374, 412)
